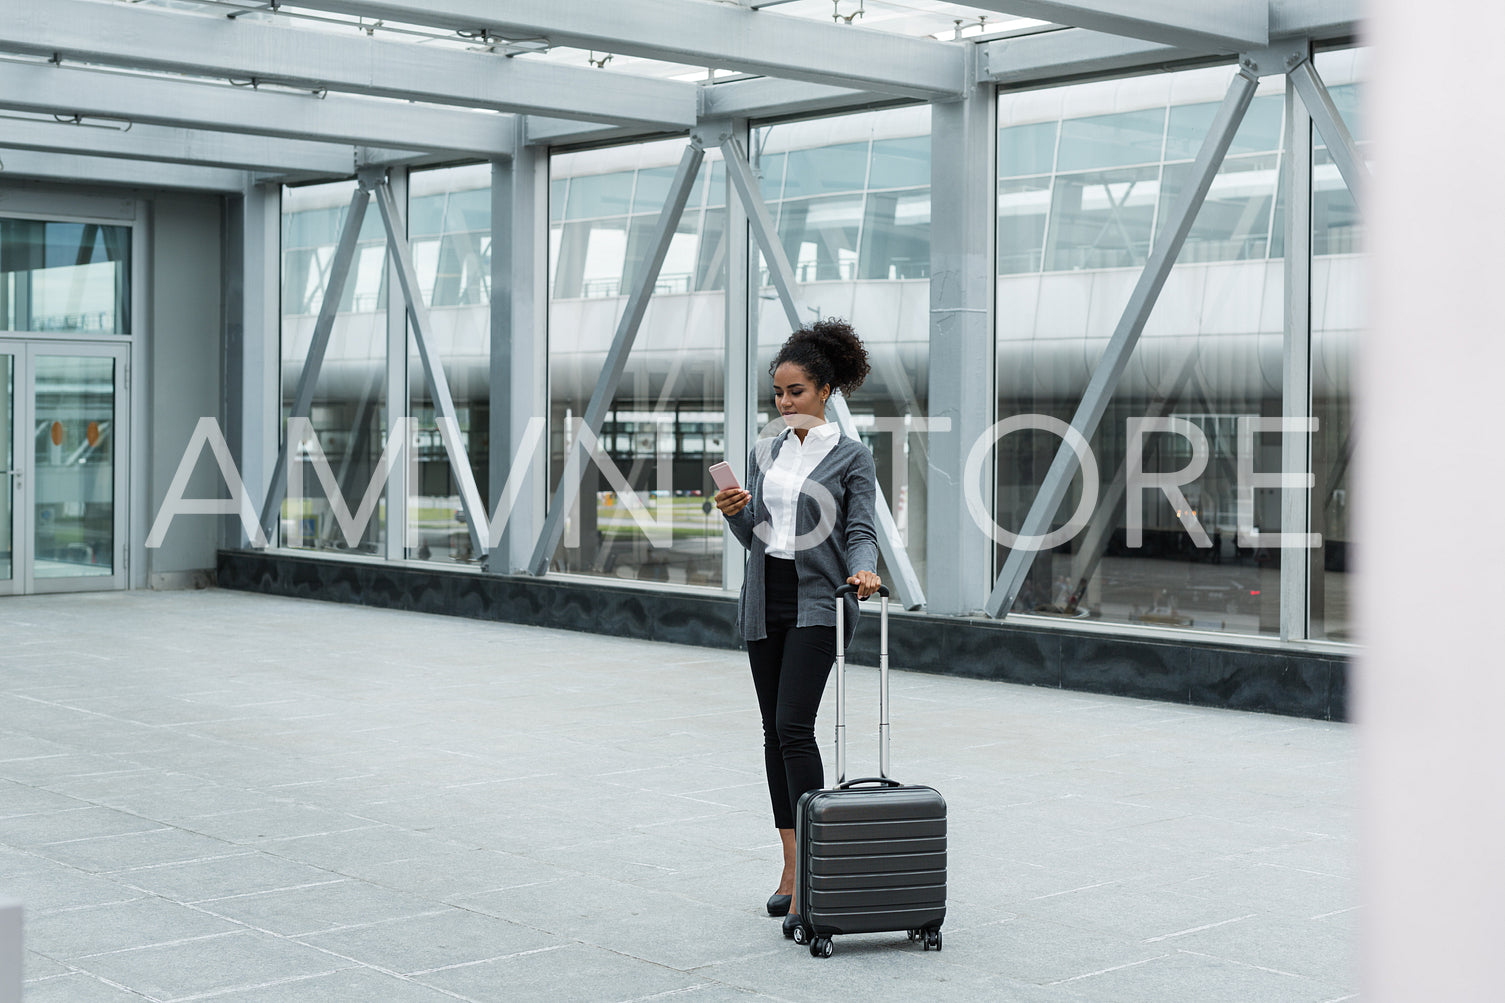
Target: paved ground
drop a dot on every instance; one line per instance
(222, 796)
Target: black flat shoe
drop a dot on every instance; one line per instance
(778, 905)
(791, 921)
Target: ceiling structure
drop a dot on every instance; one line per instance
(218, 94)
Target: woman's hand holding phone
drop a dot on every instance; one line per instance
(730, 498)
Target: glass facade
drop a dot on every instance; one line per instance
(647, 515)
(850, 197)
(1087, 176)
(1075, 228)
(449, 226)
(349, 402)
(58, 277)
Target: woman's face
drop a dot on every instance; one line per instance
(794, 392)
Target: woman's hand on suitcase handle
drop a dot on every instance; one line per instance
(867, 583)
(732, 500)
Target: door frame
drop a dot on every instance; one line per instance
(23, 579)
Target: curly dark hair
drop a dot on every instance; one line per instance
(830, 351)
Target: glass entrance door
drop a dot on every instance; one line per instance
(66, 452)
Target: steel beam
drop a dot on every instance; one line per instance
(568, 491)
(400, 476)
(38, 87)
(104, 171)
(303, 396)
(702, 34)
(433, 368)
(906, 582)
(216, 46)
(1207, 25)
(180, 146)
(252, 343)
(1115, 357)
(1296, 379)
(1340, 144)
(1071, 52)
(963, 287)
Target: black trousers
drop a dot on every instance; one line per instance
(789, 669)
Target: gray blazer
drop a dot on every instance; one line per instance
(850, 482)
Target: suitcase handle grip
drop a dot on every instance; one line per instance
(884, 781)
(847, 590)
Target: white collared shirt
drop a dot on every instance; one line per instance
(783, 480)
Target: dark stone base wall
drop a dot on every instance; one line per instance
(1209, 673)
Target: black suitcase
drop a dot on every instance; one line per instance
(871, 853)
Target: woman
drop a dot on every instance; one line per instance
(806, 517)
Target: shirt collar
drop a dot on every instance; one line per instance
(820, 433)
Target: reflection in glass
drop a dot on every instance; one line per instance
(666, 423)
(1102, 219)
(1234, 223)
(451, 213)
(72, 277)
(74, 467)
(348, 412)
(7, 461)
(1023, 207)
(1120, 139)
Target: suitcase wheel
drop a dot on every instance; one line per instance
(821, 947)
(799, 934)
(932, 939)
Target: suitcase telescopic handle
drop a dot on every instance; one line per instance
(841, 686)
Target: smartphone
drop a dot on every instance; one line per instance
(721, 474)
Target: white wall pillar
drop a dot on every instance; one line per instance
(1430, 682)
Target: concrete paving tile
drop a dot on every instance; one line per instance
(44, 828)
(17, 800)
(1315, 949)
(238, 872)
(310, 909)
(136, 849)
(79, 988)
(357, 844)
(257, 825)
(576, 972)
(427, 943)
(350, 985)
(92, 930)
(198, 967)
(36, 967)
(452, 873)
(1180, 975)
(55, 886)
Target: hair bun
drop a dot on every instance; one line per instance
(830, 351)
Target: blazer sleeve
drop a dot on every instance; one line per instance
(861, 489)
(741, 524)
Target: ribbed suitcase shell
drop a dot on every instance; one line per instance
(872, 859)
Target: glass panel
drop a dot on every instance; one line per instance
(74, 467)
(901, 163)
(1234, 222)
(1259, 132)
(7, 465)
(1026, 149)
(595, 195)
(455, 276)
(864, 258)
(827, 169)
(1023, 207)
(348, 413)
(1131, 137)
(64, 277)
(1209, 358)
(1101, 220)
(665, 426)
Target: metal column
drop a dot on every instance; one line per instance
(963, 286)
(339, 271)
(253, 350)
(433, 369)
(906, 583)
(396, 397)
(1296, 380)
(1126, 336)
(741, 353)
(568, 491)
(519, 354)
